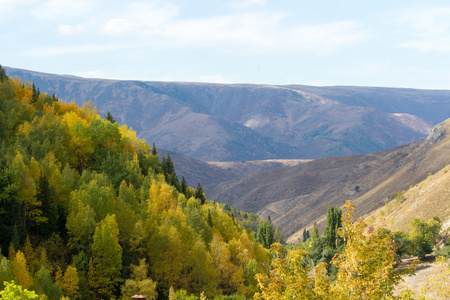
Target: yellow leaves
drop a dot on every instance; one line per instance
(160, 198)
(289, 278)
(22, 94)
(20, 270)
(69, 283)
(366, 268)
(25, 129)
(131, 143)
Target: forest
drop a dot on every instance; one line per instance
(89, 211)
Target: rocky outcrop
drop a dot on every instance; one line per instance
(437, 134)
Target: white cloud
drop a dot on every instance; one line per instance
(243, 4)
(70, 29)
(89, 48)
(7, 6)
(51, 9)
(429, 28)
(263, 30)
(140, 18)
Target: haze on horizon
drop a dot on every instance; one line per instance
(370, 43)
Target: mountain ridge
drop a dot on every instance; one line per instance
(219, 122)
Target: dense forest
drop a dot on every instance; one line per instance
(89, 211)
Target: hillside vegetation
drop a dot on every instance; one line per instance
(89, 211)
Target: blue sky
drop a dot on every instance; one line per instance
(367, 43)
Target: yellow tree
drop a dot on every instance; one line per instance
(290, 278)
(69, 282)
(366, 268)
(20, 270)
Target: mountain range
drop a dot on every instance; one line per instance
(217, 122)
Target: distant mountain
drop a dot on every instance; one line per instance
(298, 196)
(216, 122)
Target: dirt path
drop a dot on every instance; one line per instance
(425, 270)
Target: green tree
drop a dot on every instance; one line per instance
(45, 195)
(264, 234)
(45, 285)
(3, 76)
(106, 261)
(199, 193)
(315, 232)
(332, 238)
(110, 118)
(184, 186)
(423, 235)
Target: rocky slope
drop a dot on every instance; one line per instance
(213, 122)
(296, 197)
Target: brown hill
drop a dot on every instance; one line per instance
(217, 122)
(296, 197)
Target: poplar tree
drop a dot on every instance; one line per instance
(106, 261)
(332, 238)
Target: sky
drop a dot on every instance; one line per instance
(395, 43)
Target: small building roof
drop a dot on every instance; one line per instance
(138, 297)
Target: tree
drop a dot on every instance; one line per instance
(290, 279)
(69, 282)
(45, 195)
(110, 118)
(139, 283)
(332, 238)
(154, 152)
(3, 76)
(366, 268)
(20, 270)
(264, 234)
(184, 186)
(315, 232)
(306, 235)
(199, 193)
(106, 261)
(14, 291)
(423, 235)
(45, 285)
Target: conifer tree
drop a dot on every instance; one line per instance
(3, 76)
(110, 117)
(264, 234)
(154, 152)
(315, 232)
(199, 193)
(184, 186)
